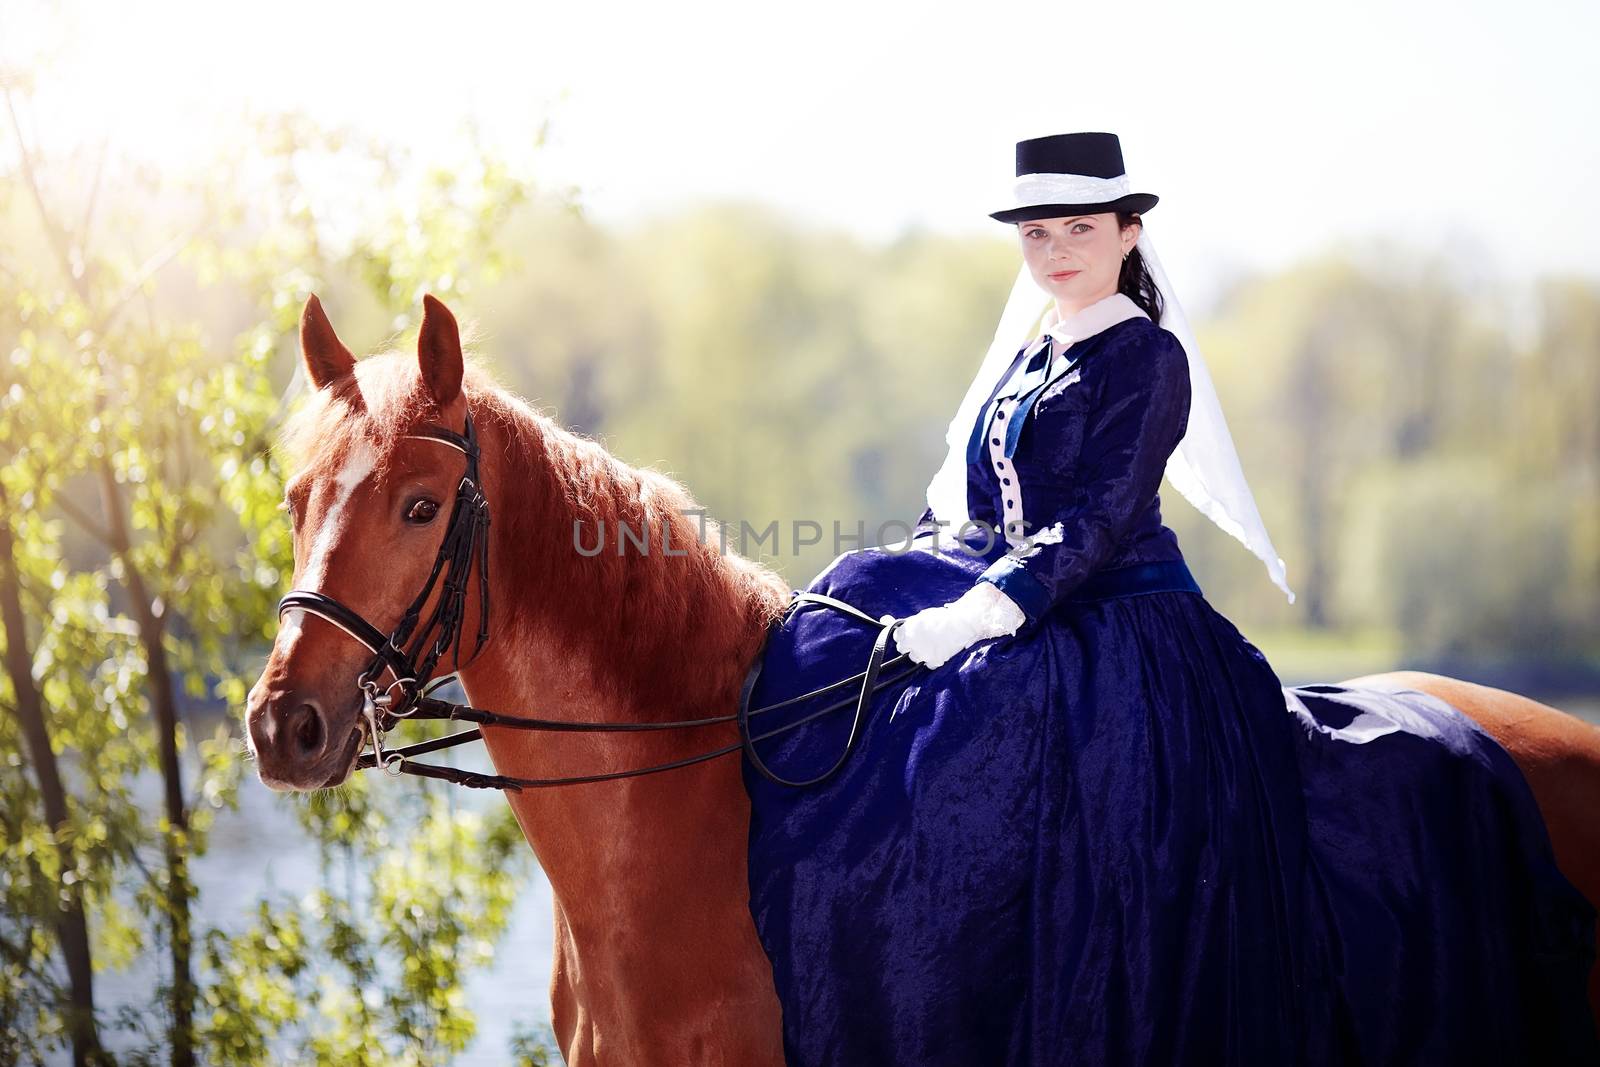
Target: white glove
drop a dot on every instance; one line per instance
(933, 635)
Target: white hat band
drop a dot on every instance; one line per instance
(1032, 190)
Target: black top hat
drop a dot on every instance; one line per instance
(1068, 155)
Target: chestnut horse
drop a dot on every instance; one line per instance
(656, 955)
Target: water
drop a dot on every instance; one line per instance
(262, 851)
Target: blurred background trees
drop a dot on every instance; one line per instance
(1422, 444)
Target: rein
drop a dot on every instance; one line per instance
(407, 696)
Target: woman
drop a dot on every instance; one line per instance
(1107, 837)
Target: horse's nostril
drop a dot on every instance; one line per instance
(306, 728)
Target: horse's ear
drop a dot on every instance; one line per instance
(326, 358)
(439, 352)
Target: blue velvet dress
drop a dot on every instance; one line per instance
(1115, 837)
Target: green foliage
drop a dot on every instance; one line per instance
(108, 416)
(1424, 527)
(534, 1048)
(1424, 450)
(782, 374)
(376, 979)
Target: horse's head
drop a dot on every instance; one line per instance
(370, 504)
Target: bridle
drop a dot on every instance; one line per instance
(407, 654)
(466, 536)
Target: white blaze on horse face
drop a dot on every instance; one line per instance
(357, 466)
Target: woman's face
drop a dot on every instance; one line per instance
(1078, 258)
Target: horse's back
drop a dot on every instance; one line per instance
(1559, 756)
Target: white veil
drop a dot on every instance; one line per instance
(1204, 467)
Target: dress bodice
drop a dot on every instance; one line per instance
(1066, 456)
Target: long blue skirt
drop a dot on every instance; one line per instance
(1118, 839)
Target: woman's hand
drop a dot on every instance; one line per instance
(933, 635)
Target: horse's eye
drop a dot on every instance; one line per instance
(423, 512)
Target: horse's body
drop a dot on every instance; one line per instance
(656, 957)
(1559, 755)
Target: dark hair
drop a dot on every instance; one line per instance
(1135, 282)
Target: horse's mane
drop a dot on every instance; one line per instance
(636, 608)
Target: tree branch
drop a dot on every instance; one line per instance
(146, 271)
(178, 545)
(51, 230)
(89, 525)
(94, 193)
(58, 236)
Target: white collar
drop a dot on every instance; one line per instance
(1088, 321)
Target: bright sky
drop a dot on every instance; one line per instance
(1268, 130)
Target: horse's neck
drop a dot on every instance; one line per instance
(676, 620)
(636, 636)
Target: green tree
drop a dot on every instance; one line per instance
(141, 555)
